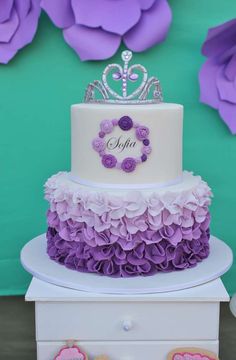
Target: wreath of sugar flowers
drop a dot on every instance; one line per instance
(125, 123)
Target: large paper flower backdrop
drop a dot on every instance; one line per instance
(18, 24)
(94, 29)
(218, 74)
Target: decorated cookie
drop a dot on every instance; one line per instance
(71, 353)
(191, 354)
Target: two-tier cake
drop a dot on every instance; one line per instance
(127, 208)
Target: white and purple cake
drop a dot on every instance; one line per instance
(127, 208)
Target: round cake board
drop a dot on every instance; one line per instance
(35, 260)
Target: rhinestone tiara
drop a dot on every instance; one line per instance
(148, 92)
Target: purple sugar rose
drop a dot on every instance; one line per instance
(99, 144)
(128, 164)
(87, 24)
(147, 150)
(18, 25)
(142, 132)
(106, 126)
(218, 74)
(101, 134)
(144, 157)
(109, 161)
(125, 123)
(146, 142)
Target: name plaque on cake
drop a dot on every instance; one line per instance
(122, 136)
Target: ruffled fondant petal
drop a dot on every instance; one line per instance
(208, 90)
(87, 42)
(227, 111)
(152, 27)
(5, 9)
(113, 16)
(61, 14)
(220, 39)
(8, 28)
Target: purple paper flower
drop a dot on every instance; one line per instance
(109, 161)
(106, 126)
(125, 123)
(87, 24)
(218, 75)
(142, 132)
(128, 164)
(98, 144)
(18, 25)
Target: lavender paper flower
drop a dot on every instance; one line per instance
(87, 24)
(18, 25)
(218, 75)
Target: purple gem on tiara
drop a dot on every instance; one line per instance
(133, 77)
(116, 75)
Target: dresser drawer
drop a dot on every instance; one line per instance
(127, 321)
(124, 350)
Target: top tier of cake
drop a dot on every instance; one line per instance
(157, 155)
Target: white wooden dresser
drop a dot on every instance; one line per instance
(126, 327)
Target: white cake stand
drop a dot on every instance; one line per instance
(36, 261)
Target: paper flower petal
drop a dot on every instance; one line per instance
(8, 28)
(5, 9)
(61, 14)
(28, 27)
(220, 38)
(227, 111)
(146, 4)
(87, 42)
(151, 29)
(28, 15)
(23, 7)
(207, 78)
(230, 68)
(113, 16)
(6, 53)
(109, 20)
(226, 88)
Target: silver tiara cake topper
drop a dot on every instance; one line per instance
(149, 90)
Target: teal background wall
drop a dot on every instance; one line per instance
(36, 91)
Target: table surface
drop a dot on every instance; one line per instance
(213, 291)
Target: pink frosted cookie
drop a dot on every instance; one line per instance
(191, 354)
(68, 353)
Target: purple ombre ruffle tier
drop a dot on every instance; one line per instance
(145, 253)
(135, 233)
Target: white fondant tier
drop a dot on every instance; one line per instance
(164, 164)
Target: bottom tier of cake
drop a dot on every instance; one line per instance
(128, 233)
